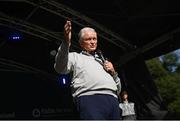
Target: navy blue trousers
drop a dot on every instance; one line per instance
(98, 107)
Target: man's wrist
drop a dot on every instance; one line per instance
(66, 43)
(114, 74)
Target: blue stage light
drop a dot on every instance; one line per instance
(15, 36)
(64, 80)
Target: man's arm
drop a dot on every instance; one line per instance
(108, 66)
(118, 82)
(61, 59)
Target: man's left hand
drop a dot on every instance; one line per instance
(108, 66)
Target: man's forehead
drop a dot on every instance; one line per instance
(89, 33)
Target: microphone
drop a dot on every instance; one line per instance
(102, 58)
(101, 55)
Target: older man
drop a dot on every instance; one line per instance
(95, 83)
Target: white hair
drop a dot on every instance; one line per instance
(83, 30)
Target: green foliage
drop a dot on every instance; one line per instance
(156, 69)
(178, 68)
(167, 81)
(170, 61)
(168, 86)
(174, 106)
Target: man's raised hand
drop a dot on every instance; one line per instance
(67, 32)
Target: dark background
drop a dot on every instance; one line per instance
(130, 32)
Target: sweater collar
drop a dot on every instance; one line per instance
(89, 54)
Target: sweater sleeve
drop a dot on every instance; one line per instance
(118, 82)
(62, 64)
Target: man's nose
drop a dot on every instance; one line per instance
(92, 41)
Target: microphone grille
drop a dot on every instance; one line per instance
(99, 51)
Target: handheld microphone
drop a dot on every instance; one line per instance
(102, 58)
(101, 55)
